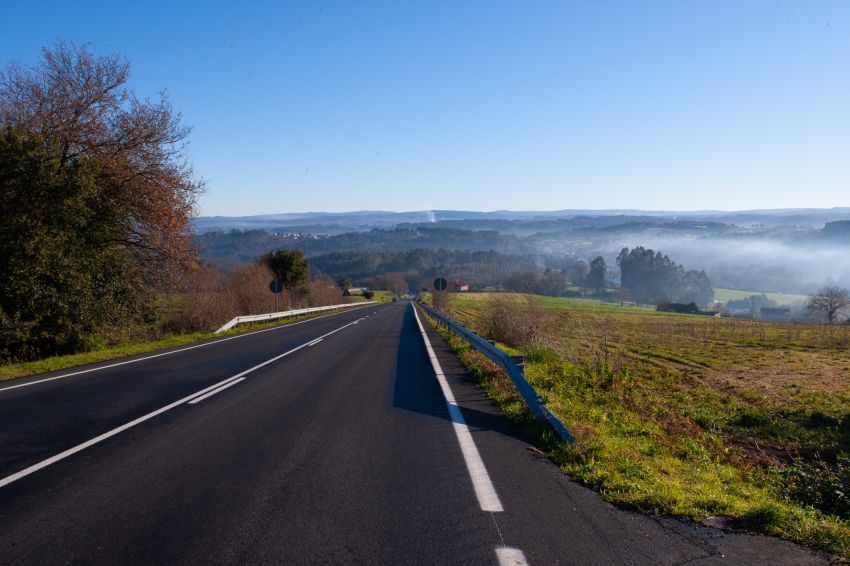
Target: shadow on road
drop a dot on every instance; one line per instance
(417, 389)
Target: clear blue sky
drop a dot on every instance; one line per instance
(488, 105)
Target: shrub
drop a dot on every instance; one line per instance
(822, 485)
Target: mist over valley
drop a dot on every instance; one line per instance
(782, 251)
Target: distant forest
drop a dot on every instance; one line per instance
(481, 267)
(238, 247)
(766, 256)
(420, 266)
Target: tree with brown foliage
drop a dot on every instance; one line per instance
(394, 282)
(81, 107)
(95, 200)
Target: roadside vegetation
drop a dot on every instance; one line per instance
(736, 423)
(96, 198)
(22, 369)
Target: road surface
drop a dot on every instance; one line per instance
(329, 441)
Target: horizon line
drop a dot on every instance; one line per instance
(554, 211)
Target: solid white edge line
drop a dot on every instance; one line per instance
(219, 341)
(488, 499)
(214, 391)
(80, 447)
(508, 556)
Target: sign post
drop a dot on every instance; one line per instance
(276, 286)
(440, 286)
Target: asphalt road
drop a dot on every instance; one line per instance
(325, 442)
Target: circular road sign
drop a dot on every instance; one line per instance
(276, 286)
(440, 284)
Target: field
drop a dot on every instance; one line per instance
(780, 299)
(733, 422)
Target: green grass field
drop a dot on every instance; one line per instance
(682, 414)
(779, 298)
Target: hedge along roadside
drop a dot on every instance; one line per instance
(506, 362)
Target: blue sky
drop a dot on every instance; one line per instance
(333, 106)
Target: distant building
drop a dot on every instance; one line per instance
(459, 285)
(776, 314)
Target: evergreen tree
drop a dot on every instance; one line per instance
(651, 277)
(596, 278)
(290, 268)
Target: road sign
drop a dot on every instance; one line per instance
(440, 284)
(276, 286)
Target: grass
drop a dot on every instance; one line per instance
(383, 296)
(687, 415)
(781, 299)
(15, 370)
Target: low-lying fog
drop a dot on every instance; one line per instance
(758, 264)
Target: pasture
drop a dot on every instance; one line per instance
(736, 422)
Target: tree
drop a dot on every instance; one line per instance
(61, 276)
(694, 287)
(596, 277)
(79, 104)
(344, 282)
(652, 277)
(830, 303)
(578, 273)
(648, 275)
(395, 282)
(290, 268)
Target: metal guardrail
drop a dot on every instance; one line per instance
(275, 315)
(506, 362)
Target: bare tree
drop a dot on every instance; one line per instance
(79, 104)
(830, 303)
(395, 282)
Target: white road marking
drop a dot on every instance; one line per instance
(314, 342)
(508, 556)
(164, 353)
(484, 490)
(62, 455)
(214, 391)
(211, 389)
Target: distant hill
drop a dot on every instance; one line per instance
(838, 230)
(364, 220)
(244, 246)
